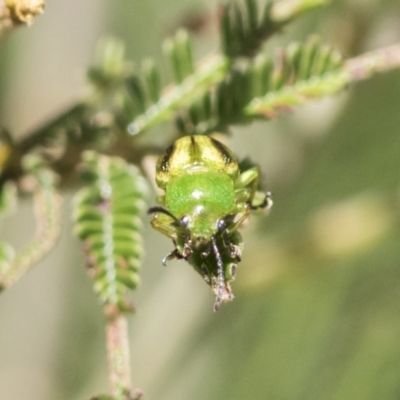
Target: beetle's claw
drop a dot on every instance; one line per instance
(170, 256)
(268, 201)
(265, 205)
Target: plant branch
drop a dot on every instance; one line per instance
(43, 133)
(353, 70)
(118, 353)
(296, 95)
(377, 61)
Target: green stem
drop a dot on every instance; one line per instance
(118, 353)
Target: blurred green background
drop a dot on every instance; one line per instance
(317, 308)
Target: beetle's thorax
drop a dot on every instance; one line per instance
(200, 198)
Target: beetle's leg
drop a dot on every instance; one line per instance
(246, 184)
(187, 248)
(236, 223)
(206, 252)
(166, 223)
(222, 225)
(258, 200)
(266, 204)
(170, 256)
(251, 175)
(165, 226)
(177, 253)
(206, 274)
(233, 250)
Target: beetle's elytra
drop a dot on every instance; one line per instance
(206, 199)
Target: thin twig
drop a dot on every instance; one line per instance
(377, 61)
(118, 353)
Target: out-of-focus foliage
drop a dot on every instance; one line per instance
(316, 311)
(245, 24)
(42, 183)
(263, 86)
(229, 87)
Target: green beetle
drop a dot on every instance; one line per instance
(206, 199)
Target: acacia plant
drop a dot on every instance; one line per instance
(98, 141)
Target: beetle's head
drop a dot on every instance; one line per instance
(203, 223)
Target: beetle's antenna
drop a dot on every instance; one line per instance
(220, 271)
(163, 210)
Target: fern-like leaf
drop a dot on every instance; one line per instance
(303, 72)
(47, 205)
(191, 84)
(243, 29)
(107, 219)
(244, 25)
(121, 94)
(180, 51)
(262, 86)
